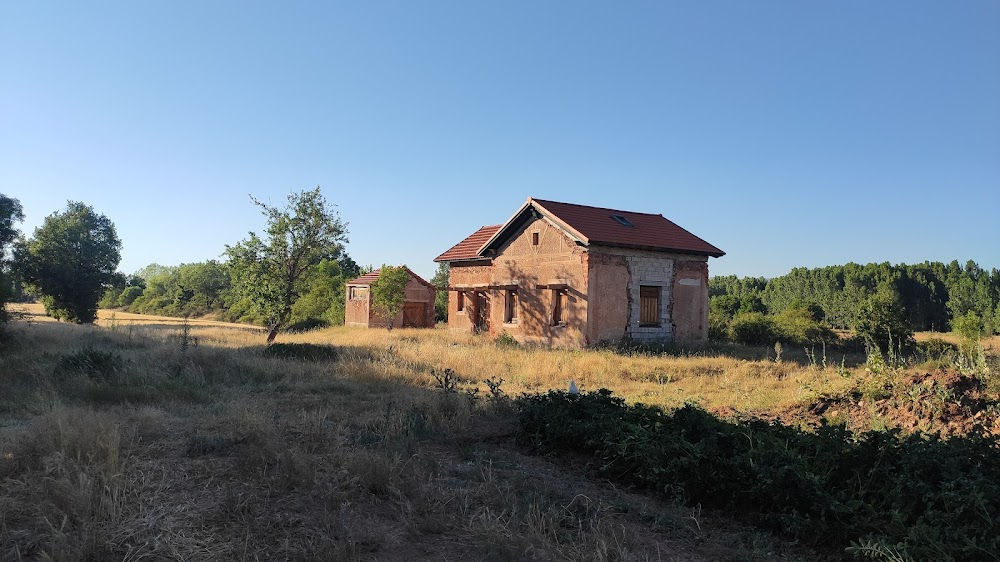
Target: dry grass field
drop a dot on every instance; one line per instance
(147, 438)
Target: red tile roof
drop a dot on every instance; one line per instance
(468, 249)
(366, 279)
(595, 225)
(369, 278)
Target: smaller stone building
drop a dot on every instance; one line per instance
(418, 310)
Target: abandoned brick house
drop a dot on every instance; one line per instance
(418, 310)
(571, 275)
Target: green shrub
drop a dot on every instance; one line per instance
(800, 326)
(109, 299)
(933, 499)
(718, 328)
(307, 324)
(506, 340)
(129, 295)
(970, 331)
(303, 351)
(880, 321)
(937, 349)
(752, 328)
(96, 364)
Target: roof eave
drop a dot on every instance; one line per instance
(716, 254)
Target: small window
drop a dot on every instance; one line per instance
(510, 307)
(359, 293)
(534, 238)
(649, 306)
(622, 220)
(461, 301)
(558, 307)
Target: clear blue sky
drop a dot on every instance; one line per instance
(786, 133)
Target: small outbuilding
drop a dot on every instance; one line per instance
(418, 310)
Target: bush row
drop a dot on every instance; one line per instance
(912, 495)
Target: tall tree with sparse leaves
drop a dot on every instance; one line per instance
(70, 260)
(269, 272)
(389, 293)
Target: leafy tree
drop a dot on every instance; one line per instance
(440, 280)
(10, 214)
(153, 270)
(268, 273)
(129, 295)
(323, 302)
(969, 330)
(881, 323)
(800, 325)
(389, 292)
(70, 260)
(753, 328)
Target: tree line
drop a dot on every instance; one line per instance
(900, 298)
(294, 273)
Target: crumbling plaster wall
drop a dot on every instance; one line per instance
(617, 276)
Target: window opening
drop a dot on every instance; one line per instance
(558, 306)
(649, 306)
(510, 306)
(534, 238)
(461, 301)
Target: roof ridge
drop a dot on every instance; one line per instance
(543, 201)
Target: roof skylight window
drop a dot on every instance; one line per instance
(622, 220)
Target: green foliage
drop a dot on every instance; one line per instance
(969, 328)
(440, 280)
(506, 340)
(753, 328)
(10, 215)
(190, 289)
(302, 351)
(129, 295)
(880, 322)
(937, 349)
(268, 273)
(389, 292)
(800, 326)
(932, 499)
(322, 299)
(94, 363)
(929, 294)
(70, 260)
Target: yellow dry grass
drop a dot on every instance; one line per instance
(710, 379)
(131, 440)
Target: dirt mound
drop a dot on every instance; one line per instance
(942, 401)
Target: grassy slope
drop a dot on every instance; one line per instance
(120, 441)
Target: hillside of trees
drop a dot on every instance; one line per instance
(902, 298)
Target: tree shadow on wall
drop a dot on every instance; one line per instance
(537, 306)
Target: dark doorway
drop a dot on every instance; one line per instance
(482, 318)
